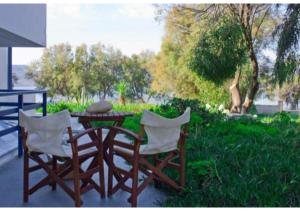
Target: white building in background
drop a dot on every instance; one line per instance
(21, 25)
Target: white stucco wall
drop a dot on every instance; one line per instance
(25, 20)
(3, 68)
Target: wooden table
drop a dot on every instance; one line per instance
(85, 118)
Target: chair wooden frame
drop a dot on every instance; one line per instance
(56, 176)
(139, 162)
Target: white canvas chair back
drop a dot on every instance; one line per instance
(45, 134)
(163, 133)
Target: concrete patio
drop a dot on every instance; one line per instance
(11, 178)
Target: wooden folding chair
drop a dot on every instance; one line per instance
(44, 136)
(165, 136)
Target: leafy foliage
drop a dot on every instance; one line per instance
(62, 105)
(105, 71)
(121, 88)
(136, 75)
(288, 44)
(78, 107)
(170, 72)
(53, 70)
(209, 41)
(242, 163)
(88, 72)
(219, 51)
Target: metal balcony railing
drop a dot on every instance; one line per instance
(12, 113)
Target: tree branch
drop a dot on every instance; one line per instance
(197, 11)
(261, 21)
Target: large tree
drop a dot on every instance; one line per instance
(170, 71)
(53, 70)
(253, 18)
(81, 73)
(106, 69)
(254, 22)
(86, 73)
(219, 53)
(137, 76)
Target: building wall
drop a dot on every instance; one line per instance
(25, 20)
(267, 109)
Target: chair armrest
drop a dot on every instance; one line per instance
(184, 134)
(79, 135)
(125, 131)
(122, 146)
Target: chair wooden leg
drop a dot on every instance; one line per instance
(54, 167)
(54, 176)
(26, 177)
(110, 171)
(110, 181)
(101, 176)
(182, 166)
(157, 170)
(100, 164)
(157, 183)
(134, 191)
(76, 182)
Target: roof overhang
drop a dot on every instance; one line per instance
(23, 25)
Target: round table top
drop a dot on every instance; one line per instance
(111, 114)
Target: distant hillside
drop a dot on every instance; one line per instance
(19, 71)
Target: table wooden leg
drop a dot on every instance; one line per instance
(93, 136)
(87, 125)
(106, 145)
(106, 140)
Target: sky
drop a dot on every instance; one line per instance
(129, 27)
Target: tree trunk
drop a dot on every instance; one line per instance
(82, 94)
(100, 97)
(142, 100)
(247, 31)
(235, 93)
(254, 82)
(293, 105)
(149, 97)
(122, 99)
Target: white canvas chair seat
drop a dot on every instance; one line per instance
(45, 134)
(163, 133)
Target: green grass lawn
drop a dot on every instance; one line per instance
(245, 162)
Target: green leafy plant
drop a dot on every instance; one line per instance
(122, 88)
(219, 51)
(242, 162)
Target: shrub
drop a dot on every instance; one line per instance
(62, 105)
(242, 163)
(282, 117)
